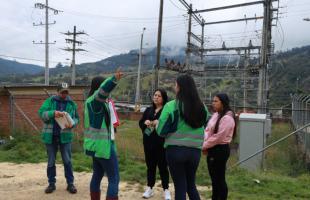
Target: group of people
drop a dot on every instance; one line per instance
(175, 134)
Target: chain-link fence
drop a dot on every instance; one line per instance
(301, 117)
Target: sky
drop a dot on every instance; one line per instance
(115, 27)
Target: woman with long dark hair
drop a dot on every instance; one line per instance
(182, 124)
(99, 137)
(220, 131)
(154, 145)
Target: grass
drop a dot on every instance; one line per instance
(285, 176)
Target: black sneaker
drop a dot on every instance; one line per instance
(71, 188)
(50, 188)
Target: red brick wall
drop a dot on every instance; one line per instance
(30, 105)
(4, 115)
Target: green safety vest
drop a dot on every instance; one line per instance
(176, 131)
(96, 140)
(46, 113)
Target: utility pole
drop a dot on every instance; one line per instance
(189, 33)
(47, 8)
(137, 98)
(160, 24)
(262, 97)
(74, 49)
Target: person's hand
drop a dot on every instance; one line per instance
(147, 122)
(68, 126)
(118, 74)
(58, 114)
(205, 151)
(154, 123)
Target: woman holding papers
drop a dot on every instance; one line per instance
(154, 146)
(99, 137)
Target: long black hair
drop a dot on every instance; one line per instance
(95, 84)
(163, 95)
(191, 107)
(226, 108)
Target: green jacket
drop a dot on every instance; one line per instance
(97, 135)
(176, 131)
(47, 114)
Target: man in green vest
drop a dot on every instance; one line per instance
(59, 107)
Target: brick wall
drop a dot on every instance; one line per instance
(30, 105)
(29, 101)
(4, 115)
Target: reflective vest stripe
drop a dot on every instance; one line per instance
(47, 128)
(45, 115)
(187, 143)
(185, 139)
(186, 135)
(96, 134)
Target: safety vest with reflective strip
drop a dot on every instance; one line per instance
(46, 113)
(176, 131)
(185, 139)
(98, 141)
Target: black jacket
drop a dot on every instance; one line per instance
(153, 140)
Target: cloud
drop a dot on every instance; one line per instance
(115, 27)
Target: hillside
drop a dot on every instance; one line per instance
(8, 67)
(289, 73)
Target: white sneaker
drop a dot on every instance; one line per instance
(148, 193)
(167, 194)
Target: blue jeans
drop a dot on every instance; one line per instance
(183, 163)
(110, 167)
(65, 150)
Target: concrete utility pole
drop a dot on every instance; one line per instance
(137, 98)
(47, 8)
(160, 24)
(74, 49)
(189, 33)
(262, 96)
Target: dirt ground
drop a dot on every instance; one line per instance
(28, 181)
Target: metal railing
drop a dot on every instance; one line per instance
(301, 117)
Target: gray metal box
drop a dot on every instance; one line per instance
(254, 128)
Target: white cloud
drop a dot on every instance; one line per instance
(115, 26)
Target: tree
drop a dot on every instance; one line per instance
(59, 65)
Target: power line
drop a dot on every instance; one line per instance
(176, 6)
(74, 49)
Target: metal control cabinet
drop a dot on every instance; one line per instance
(254, 129)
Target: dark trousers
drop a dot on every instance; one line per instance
(65, 150)
(110, 167)
(156, 157)
(217, 159)
(183, 163)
